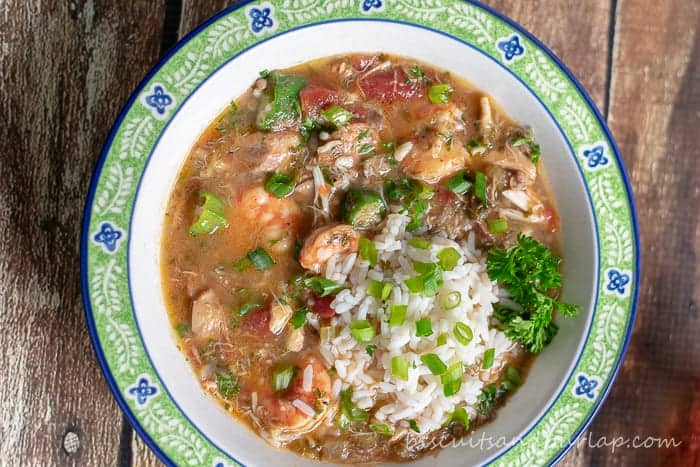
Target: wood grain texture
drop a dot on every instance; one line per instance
(65, 70)
(654, 113)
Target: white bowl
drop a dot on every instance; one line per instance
(121, 280)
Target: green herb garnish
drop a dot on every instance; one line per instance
(529, 272)
(280, 185)
(212, 216)
(227, 384)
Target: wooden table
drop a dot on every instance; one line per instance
(66, 68)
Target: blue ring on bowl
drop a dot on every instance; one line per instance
(93, 185)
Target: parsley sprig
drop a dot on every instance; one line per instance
(529, 271)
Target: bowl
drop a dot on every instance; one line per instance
(124, 305)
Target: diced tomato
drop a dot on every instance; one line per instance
(444, 196)
(362, 62)
(256, 322)
(391, 85)
(359, 112)
(322, 306)
(314, 98)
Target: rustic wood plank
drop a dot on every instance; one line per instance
(654, 109)
(579, 36)
(577, 32)
(195, 12)
(65, 70)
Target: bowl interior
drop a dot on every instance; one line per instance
(579, 240)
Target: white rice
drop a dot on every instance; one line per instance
(421, 397)
(308, 378)
(305, 408)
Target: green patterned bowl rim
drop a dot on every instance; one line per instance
(108, 308)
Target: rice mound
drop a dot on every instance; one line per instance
(421, 398)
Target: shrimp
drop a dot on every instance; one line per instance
(325, 242)
(275, 219)
(284, 417)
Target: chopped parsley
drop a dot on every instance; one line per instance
(529, 271)
(227, 384)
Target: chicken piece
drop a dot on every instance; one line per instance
(437, 152)
(325, 242)
(512, 159)
(283, 417)
(209, 319)
(279, 316)
(295, 340)
(266, 152)
(347, 146)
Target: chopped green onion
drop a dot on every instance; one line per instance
(370, 349)
(260, 259)
(227, 384)
(399, 367)
(280, 104)
(451, 388)
(434, 363)
(452, 379)
(451, 300)
(280, 184)
(368, 251)
(440, 93)
(362, 330)
(389, 146)
(442, 339)
(397, 315)
(322, 286)
(535, 153)
(381, 428)
(413, 425)
(429, 280)
(378, 289)
(242, 264)
(348, 412)
(480, 187)
(448, 258)
(460, 416)
(299, 318)
(512, 375)
(212, 216)
(463, 333)
(282, 378)
(182, 329)
(416, 211)
(247, 308)
(415, 284)
(424, 327)
(498, 226)
(336, 115)
(488, 358)
(420, 243)
(459, 183)
(366, 149)
(416, 72)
